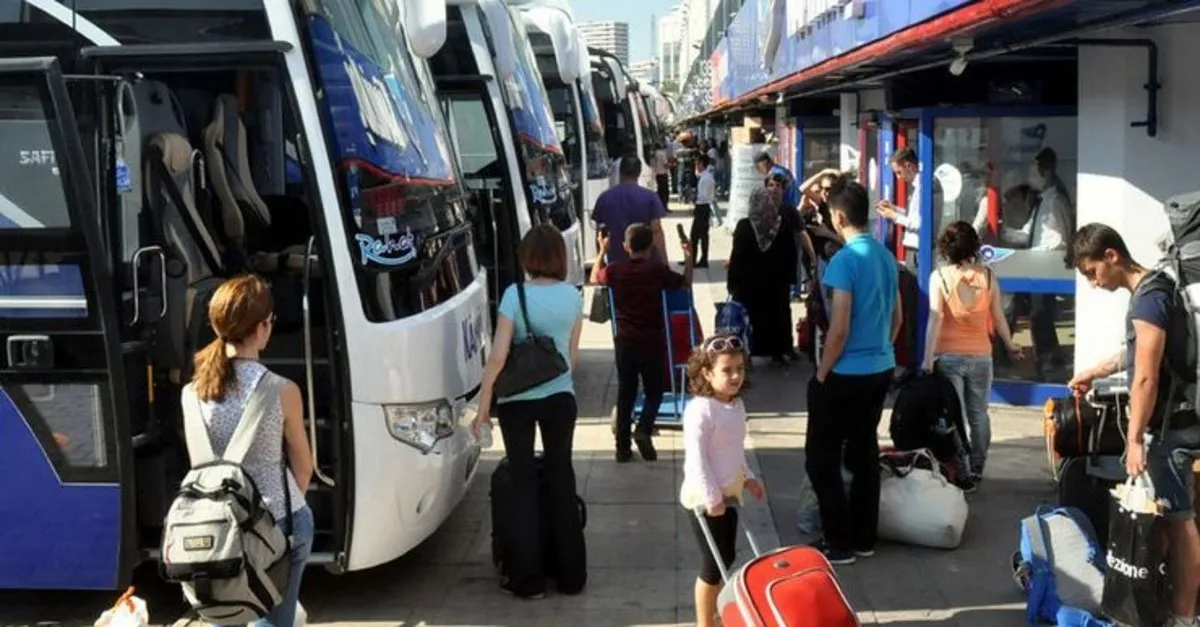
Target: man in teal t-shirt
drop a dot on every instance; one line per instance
(846, 396)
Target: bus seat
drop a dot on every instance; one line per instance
(171, 194)
(240, 206)
(158, 109)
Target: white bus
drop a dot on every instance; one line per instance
(622, 112)
(504, 133)
(566, 72)
(153, 148)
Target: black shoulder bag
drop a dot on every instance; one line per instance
(530, 363)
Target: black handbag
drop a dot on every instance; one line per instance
(530, 363)
(601, 310)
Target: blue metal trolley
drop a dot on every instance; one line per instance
(670, 412)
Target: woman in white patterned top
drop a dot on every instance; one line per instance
(226, 372)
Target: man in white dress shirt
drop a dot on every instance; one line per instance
(907, 167)
(1047, 229)
(706, 198)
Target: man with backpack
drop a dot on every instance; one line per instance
(1164, 432)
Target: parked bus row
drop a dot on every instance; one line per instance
(376, 160)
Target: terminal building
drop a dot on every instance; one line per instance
(1088, 101)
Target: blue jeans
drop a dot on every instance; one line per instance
(1169, 457)
(972, 379)
(284, 614)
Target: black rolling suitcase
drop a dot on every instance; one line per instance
(501, 488)
(1084, 482)
(1088, 437)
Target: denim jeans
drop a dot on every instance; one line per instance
(1169, 457)
(284, 614)
(972, 379)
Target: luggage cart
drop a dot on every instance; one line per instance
(677, 305)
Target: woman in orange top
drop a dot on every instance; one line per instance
(964, 310)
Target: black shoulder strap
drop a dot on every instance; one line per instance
(524, 307)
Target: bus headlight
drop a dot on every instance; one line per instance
(420, 426)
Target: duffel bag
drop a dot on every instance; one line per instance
(918, 505)
(1077, 429)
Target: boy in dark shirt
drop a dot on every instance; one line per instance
(641, 343)
(1163, 434)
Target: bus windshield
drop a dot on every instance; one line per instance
(398, 180)
(593, 133)
(566, 122)
(545, 165)
(644, 122)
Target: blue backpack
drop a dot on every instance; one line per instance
(1060, 567)
(733, 319)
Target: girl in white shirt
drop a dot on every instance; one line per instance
(714, 464)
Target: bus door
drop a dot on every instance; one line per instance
(65, 456)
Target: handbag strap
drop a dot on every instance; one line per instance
(524, 309)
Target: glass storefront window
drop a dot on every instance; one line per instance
(822, 147)
(1043, 325)
(870, 164)
(1030, 165)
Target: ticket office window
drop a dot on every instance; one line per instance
(1030, 166)
(870, 167)
(1013, 179)
(821, 149)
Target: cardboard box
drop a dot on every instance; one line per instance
(743, 135)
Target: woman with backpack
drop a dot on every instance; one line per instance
(543, 310)
(965, 309)
(227, 372)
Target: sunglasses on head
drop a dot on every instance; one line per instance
(723, 343)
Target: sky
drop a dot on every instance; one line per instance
(636, 12)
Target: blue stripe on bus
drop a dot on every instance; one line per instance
(32, 280)
(55, 536)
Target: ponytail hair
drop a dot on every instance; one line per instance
(237, 309)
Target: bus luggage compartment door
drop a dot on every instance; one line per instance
(64, 441)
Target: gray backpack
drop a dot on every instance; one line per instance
(219, 540)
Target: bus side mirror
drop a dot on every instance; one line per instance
(425, 25)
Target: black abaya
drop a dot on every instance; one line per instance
(761, 281)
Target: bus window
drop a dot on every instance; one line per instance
(562, 103)
(33, 284)
(546, 175)
(593, 134)
(397, 177)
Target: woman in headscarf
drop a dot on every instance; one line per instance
(762, 267)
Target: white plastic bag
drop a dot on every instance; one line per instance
(128, 611)
(921, 507)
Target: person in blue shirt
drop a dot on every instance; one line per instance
(846, 396)
(553, 310)
(767, 167)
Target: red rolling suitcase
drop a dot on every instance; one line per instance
(790, 587)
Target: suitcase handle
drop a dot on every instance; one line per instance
(712, 542)
(747, 617)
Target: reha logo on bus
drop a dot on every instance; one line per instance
(381, 250)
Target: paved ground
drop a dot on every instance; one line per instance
(642, 555)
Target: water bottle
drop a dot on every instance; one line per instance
(483, 435)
